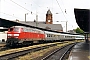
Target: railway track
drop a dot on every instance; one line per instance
(23, 52)
(3, 47)
(60, 53)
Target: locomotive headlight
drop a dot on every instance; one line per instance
(16, 34)
(9, 34)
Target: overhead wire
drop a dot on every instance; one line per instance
(65, 11)
(61, 9)
(10, 15)
(20, 5)
(23, 7)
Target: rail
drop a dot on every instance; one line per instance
(62, 50)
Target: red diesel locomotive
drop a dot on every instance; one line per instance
(21, 35)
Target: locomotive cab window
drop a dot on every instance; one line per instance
(11, 29)
(16, 29)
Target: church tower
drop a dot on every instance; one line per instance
(49, 17)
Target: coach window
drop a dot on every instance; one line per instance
(61, 36)
(50, 35)
(47, 35)
(71, 37)
(65, 36)
(58, 35)
(54, 35)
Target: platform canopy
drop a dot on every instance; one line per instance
(83, 19)
(7, 23)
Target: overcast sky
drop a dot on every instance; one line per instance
(16, 9)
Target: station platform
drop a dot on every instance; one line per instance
(81, 51)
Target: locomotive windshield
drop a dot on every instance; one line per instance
(11, 29)
(14, 29)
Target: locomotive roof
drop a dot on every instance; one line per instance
(17, 26)
(25, 27)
